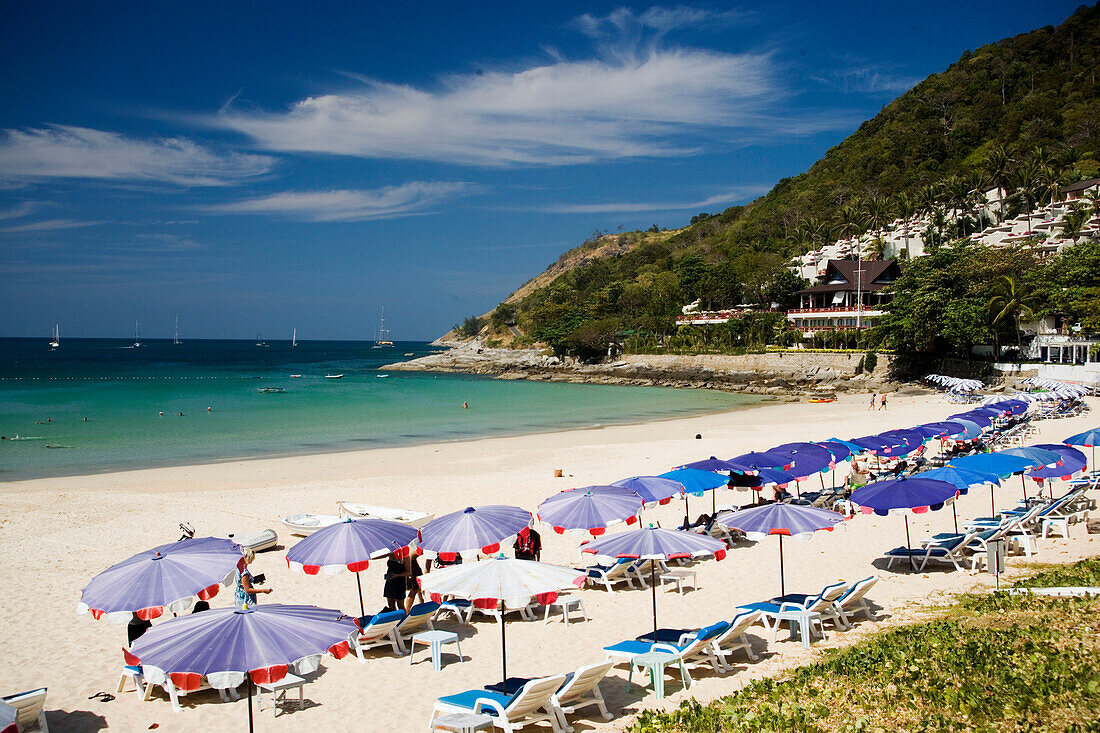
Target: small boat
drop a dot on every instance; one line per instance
(271, 390)
(260, 341)
(822, 399)
(334, 376)
(176, 333)
(383, 340)
(56, 340)
(370, 511)
(306, 524)
(295, 376)
(294, 339)
(137, 335)
(265, 539)
(381, 376)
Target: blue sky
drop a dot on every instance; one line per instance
(253, 167)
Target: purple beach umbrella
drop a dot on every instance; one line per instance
(712, 464)
(947, 428)
(472, 530)
(654, 543)
(915, 494)
(349, 545)
(1073, 461)
(806, 459)
(790, 520)
(1089, 439)
(228, 645)
(590, 508)
(167, 575)
(652, 489)
(881, 445)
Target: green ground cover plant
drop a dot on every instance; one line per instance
(994, 662)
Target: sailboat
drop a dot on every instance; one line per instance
(260, 341)
(294, 339)
(137, 334)
(56, 340)
(176, 336)
(383, 342)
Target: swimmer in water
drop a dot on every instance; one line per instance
(209, 409)
(160, 414)
(181, 414)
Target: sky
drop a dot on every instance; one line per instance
(255, 167)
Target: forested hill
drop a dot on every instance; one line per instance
(1022, 113)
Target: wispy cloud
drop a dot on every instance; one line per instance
(867, 79)
(50, 225)
(65, 151)
(634, 98)
(725, 199)
(624, 22)
(390, 202)
(23, 209)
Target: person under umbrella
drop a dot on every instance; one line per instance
(349, 546)
(915, 494)
(656, 544)
(230, 645)
(784, 520)
(504, 582)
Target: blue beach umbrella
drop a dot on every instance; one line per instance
(1089, 439)
(840, 451)
(964, 479)
(915, 494)
(695, 482)
(946, 428)
(350, 545)
(228, 645)
(880, 445)
(1073, 461)
(652, 489)
(654, 543)
(913, 439)
(790, 520)
(590, 508)
(983, 418)
(854, 449)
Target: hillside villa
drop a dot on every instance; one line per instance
(850, 295)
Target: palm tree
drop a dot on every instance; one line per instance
(1069, 158)
(851, 221)
(1049, 183)
(903, 205)
(997, 165)
(1073, 221)
(1011, 299)
(958, 196)
(877, 216)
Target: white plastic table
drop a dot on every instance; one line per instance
(565, 604)
(678, 577)
(435, 639)
(654, 663)
(462, 722)
(805, 621)
(286, 683)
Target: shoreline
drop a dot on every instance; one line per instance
(74, 527)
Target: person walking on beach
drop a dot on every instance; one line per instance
(872, 405)
(883, 407)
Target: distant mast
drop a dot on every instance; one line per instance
(294, 338)
(137, 334)
(383, 341)
(260, 341)
(56, 340)
(176, 336)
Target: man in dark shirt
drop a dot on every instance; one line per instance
(528, 545)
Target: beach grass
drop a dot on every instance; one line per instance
(994, 662)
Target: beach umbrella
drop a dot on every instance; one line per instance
(880, 445)
(472, 530)
(753, 461)
(963, 479)
(695, 482)
(982, 418)
(350, 545)
(1073, 461)
(590, 508)
(840, 451)
(971, 430)
(784, 520)
(854, 449)
(712, 464)
(917, 495)
(807, 459)
(654, 543)
(946, 428)
(652, 489)
(1039, 458)
(913, 439)
(1089, 439)
(165, 576)
(501, 580)
(229, 645)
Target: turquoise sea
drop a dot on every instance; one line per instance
(45, 396)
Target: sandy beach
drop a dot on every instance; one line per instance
(58, 533)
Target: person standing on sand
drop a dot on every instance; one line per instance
(246, 592)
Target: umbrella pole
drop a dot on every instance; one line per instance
(992, 504)
(503, 651)
(653, 587)
(359, 582)
(782, 578)
(713, 504)
(908, 546)
(1023, 488)
(955, 517)
(249, 702)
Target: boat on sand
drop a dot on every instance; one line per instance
(371, 511)
(306, 524)
(265, 539)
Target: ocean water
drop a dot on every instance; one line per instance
(45, 396)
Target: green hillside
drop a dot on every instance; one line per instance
(1022, 113)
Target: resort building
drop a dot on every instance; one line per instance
(1078, 191)
(851, 295)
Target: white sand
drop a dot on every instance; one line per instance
(58, 533)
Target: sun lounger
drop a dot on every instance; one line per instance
(623, 571)
(692, 648)
(29, 707)
(179, 685)
(581, 689)
(777, 610)
(724, 644)
(377, 630)
(531, 704)
(419, 619)
(854, 601)
(947, 550)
